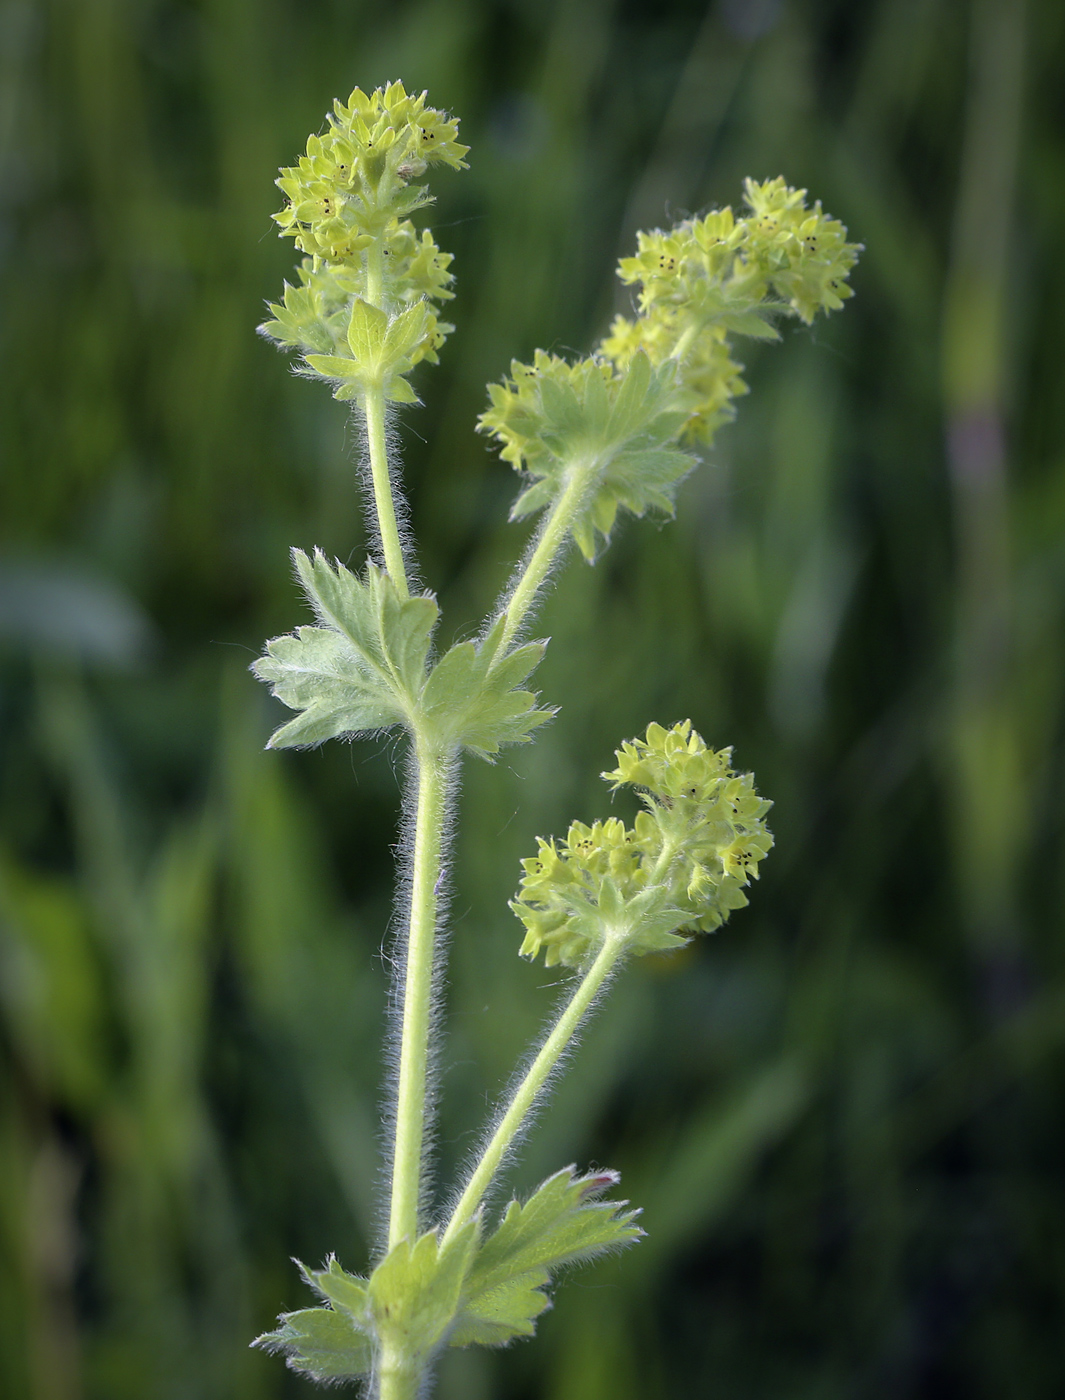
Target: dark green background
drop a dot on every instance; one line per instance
(843, 1114)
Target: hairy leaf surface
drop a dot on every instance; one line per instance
(362, 669)
(562, 1223)
(481, 705)
(414, 1293)
(320, 1343)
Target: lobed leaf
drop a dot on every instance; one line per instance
(563, 1222)
(474, 700)
(320, 1343)
(617, 426)
(363, 669)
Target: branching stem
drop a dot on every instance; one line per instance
(418, 994)
(539, 1072)
(552, 537)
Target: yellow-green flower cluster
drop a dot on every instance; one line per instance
(353, 185)
(708, 278)
(700, 283)
(347, 206)
(707, 381)
(681, 868)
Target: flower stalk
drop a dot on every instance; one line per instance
(535, 1080)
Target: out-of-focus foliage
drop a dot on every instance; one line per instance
(843, 1113)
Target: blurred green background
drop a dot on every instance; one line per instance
(843, 1114)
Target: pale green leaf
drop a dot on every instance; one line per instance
(346, 1292)
(415, 1292)
(363, 668)
(405, 333)
(562, 1223)
(620, 427)
(367, 330)
(320, 1343)
(469, 700)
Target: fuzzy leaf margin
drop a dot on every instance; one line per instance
(475, 700)
(362, 669)
(563, 1222)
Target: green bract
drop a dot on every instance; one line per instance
(680, 869)
(610, 434)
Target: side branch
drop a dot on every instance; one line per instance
(550, 540)
(532, 1085)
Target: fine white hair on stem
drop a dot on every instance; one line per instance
(395, 954)
(519, 1077)
(400, 504)
(519, 571)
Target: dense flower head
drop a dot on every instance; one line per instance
(347, 205)
(353, 185)
(780, 258)
(680, 869)
(711, 277)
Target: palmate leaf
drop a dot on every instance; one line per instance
(320, 1343)
(331, 1343)
(563, 1222)
(363, 669)
(469, 700)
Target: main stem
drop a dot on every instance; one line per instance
(398, 1378)
(552, 538)
(418, 995)
(373, 403)
(536, 1077)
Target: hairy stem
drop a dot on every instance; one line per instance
(397, 1379)
(533, 1083)
(551, 538)
(418, 995)
(373, 404)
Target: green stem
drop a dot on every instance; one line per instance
(536, 1077)
(373, 403)
(418, 995)
(397, 1380)
(552, 537)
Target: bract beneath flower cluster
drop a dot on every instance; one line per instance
(681, 869)
(614, 433)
